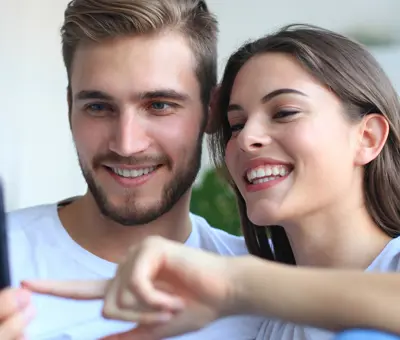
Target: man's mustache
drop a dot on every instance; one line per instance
(112, 157)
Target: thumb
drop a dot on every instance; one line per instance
(78, 290)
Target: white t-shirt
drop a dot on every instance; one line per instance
(387, 261)
(40, 247)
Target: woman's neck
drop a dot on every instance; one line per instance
(344, 236)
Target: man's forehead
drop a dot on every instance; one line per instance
(136, 64)
(148, 51)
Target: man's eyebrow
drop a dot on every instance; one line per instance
(156, 94)
(92, 94)
(164, 93)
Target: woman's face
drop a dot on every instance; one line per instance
(292, 149)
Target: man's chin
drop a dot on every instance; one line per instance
(129, 214)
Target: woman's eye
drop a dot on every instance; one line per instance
(285, 113)
(236, 127)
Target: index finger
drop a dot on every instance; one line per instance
(77, 290)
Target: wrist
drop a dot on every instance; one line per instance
(239, 271)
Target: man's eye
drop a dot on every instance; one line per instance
(98, 109)
(162, 108)
(159, 106)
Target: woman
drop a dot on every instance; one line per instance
(308, 130)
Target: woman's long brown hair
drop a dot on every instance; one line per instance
(353, 74)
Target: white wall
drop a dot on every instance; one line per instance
(37, 158)
(244, 19)
(389, 58)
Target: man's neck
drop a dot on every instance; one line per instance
(110, 240)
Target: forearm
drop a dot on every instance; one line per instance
(331, 299)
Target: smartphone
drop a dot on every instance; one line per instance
(4, 263)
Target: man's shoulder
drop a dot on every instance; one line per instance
(217, 240)
(22, 218)
(29, 231)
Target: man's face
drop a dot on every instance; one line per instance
(137, 121)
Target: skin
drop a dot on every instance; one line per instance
(321, 203)
(134, 103)
(15, 312)
(147, 121)
(169, 289)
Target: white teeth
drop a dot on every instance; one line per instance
(263, 180)
(266, 173)
(260, 172)
(130, 173)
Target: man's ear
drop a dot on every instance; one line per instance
(211, 126)
(373, 134)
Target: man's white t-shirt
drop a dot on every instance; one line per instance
(40, 247)
(387, 261)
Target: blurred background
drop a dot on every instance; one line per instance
(37, 157)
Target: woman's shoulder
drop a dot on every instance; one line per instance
(277, 329)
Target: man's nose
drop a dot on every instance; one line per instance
(130, 135)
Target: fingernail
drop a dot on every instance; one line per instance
(23, 298)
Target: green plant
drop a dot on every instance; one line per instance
(214, 200)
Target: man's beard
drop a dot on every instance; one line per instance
(132, 212)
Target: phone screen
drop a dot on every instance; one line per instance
(4, 265)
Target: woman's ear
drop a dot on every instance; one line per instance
(373, 134)
(211, 126)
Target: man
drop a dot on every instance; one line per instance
(140, 75)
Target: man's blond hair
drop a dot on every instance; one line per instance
(99, 20)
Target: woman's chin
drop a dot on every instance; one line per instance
(264, 217)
